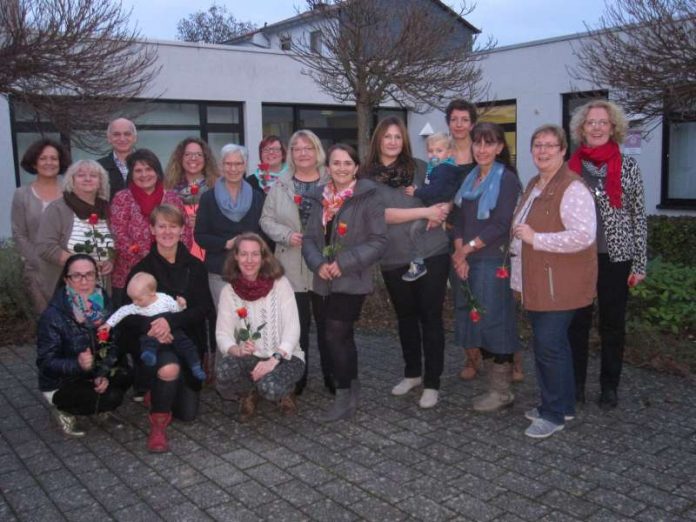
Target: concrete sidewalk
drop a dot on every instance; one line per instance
(394, 461)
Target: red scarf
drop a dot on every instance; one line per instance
(608, 153)
(252, 290)
(147, 202)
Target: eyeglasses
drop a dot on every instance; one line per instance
(271, 150)
(193, 154)
(545, 146)
(87, 276)
(235, 164)
(300, 150)
(597, 123)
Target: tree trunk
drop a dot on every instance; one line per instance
(364, 111)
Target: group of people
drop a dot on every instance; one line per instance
(207, 258)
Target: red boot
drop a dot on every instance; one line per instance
(157, 440)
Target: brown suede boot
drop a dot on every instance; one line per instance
(499, 394)
(472, 364)
(288, 406)
(247, 406)
(157, 440)
(517, 372)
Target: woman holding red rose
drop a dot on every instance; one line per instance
(258, 330)
(191, 171)
(130, 215)
(345, 236)
(76, 223)
(485, 310)
(273, 154)
(284, 219)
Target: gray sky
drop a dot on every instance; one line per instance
(509, 21)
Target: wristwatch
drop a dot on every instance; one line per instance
(277, 357)
(472, 244)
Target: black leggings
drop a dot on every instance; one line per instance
(306, 302)
(180, 396)
(344, 353)
(79, 398)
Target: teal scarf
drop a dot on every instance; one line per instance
(486, 192)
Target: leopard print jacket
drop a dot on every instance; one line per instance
(626, 228)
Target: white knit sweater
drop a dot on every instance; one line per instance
(278, 310)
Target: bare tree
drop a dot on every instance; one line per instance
(646, 51)
(74, 62)
(216, 25)
(417, 53)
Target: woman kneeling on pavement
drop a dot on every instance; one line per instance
(258, 330)
(73, 377)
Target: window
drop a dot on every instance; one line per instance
(161, 125)
(679, 162)
(332, 124)
(285, 43)
(572, 101)
(315, 41)
(504, 113)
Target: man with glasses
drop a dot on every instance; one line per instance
(121, 135)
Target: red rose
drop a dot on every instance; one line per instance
(298, 199)
(267, 177)
(195, 189)
(93, 219)
(242, 312)
(474, 315)
(134, 248)
(264, 166)
(342, 228)
(502, 272)
(103, 335)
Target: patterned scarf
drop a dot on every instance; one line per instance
(332, 200)
(147, 202)
(252, 290)
(90, 311)
(398, 174)
(608, 154)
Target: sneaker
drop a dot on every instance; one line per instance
(533, 414)
(67, 423)
(406, 385)
(541, 428)
(429, 398)
(415, 271)
(138, 396)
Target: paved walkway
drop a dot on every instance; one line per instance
(393, 462)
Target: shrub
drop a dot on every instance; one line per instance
(672, 238)
(666, 299)
(14, 301)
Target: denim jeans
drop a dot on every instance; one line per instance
(554, 364)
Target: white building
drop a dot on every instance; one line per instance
(238, 93)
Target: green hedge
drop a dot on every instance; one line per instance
(14, 300)
(673, 238)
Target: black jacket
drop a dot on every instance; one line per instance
(186, 277)
(59, 341)
(116, 181)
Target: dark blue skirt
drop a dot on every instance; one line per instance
(496, 332)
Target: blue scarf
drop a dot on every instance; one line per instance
(233, 210)
(487, 191)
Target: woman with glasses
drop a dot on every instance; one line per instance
(130, 215)
(229, 209)
(599, 128)
(191, 171)
(554, 268)
(74, 377)
(273, 154)
(76, 223)
(284, 219)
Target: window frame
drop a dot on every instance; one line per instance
(666, 202)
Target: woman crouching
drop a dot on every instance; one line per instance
(258, 329)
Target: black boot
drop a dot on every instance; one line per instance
(608, 399)
(580, 394)
(340, 408)
(329, 384)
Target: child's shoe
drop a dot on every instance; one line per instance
(415, 271)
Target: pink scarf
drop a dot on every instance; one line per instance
(333, 201)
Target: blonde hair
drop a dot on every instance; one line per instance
(619, 123)
(315, 141)
(439, 137)
(90, 166)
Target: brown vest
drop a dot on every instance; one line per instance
(553, 281)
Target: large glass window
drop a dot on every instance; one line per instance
(161, 125)
(333, 124)
(679, 162)
(504, 113)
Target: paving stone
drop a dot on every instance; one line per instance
(310, 474)
(243, 458)
(186, 512)
(71, 498)
(26, 499)
(116, 497)
(225, 475)
(476, 486)
(343, 492)
(653, 514)
(373, 509)
(424, 508)
(137, 513)
(232, 512)
(569, 504)
(206, 495)
(43, 513)
(473, 508)
(281, 511)
(252, 494)
(520, 506)
(87, 514)
(161, 496)
(297, 493)
(353, 471)
(660, 499)
(268, 474)
(522, 485)
(16, 480)
(329, 511)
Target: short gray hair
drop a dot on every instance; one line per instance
(132, 126)
(233, 148)
(90, 166)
